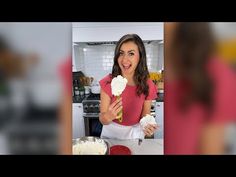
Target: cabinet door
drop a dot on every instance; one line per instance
(100, 32)
(159, 119)
(78, 121)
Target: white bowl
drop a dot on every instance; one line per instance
(90, 145)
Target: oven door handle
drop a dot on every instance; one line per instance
(91, 115)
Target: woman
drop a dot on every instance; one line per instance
(135, 102)
(199, 97)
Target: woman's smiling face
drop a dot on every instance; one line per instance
(128, 57)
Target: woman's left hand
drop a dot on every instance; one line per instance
(150, 129)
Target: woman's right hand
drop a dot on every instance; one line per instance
(114, 109)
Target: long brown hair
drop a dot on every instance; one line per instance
(193, 45)
(141, 72)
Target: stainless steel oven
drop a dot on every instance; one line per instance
(91, 111)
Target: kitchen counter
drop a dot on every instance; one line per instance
(147, 147)
(79, 99)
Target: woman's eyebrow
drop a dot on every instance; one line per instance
(131, 51)
(128, 51)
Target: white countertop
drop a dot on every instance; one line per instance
(147, 147)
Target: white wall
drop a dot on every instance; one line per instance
(224, 30)
(95, 32)
(78, 57)
(160, 62)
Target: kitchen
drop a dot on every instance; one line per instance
(93, 50)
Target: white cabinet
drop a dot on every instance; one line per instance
(100, 32)
(159, 119)
(78, 120)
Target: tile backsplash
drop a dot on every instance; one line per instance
(97, 60)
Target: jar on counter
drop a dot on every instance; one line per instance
(77, 93)
(82, 91)
(76, 87)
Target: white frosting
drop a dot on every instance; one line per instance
(89, 148)
(148, 119)
(118, 85)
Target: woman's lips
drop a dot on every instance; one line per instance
(126, 67)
